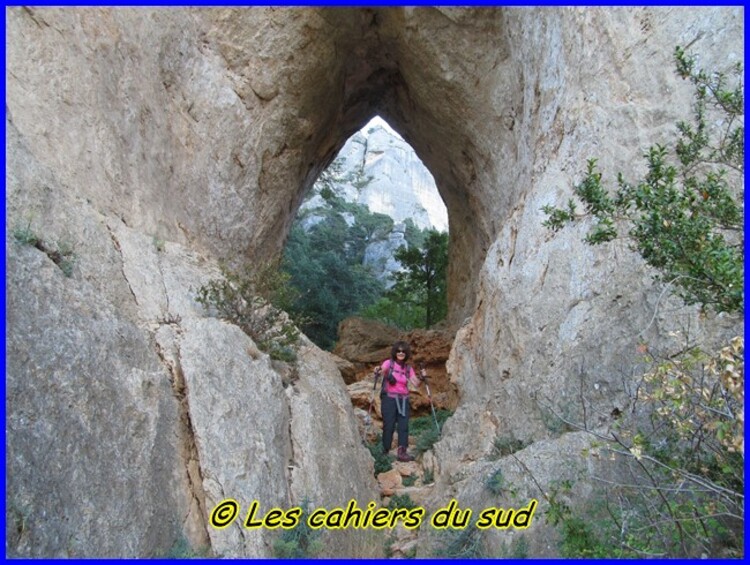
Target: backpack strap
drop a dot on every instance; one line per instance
(386, 377)
(390, 372)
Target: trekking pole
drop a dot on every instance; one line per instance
(368, 419)
(429, 395)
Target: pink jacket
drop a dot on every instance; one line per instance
(399, 373)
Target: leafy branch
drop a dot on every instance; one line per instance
(683, 217)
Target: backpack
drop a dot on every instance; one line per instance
(388, 375)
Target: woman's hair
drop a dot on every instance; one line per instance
(400, 345)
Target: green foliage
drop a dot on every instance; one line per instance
(159, 243)
(409, 481)
(382, 461)
(506, 445)
(424, 430)
(578, 537)
(325, 262)
(418, 298)
(426, 440)
(428, 477)
(519, 548)
(414, 235)
(495, 482)
(426, 423)
(681, 467)
(325, 265)
(679, 451)
(301, 541)
(401, 501)
(181, 549)
(392, 311)
(24, 235)
(424, 278)
(62, 254)
(255, 299)
(683, 217)
(463, 543)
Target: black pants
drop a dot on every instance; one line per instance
(391, 417)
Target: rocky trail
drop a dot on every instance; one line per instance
(362, 346)
(405, 484)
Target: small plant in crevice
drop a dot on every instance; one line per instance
(409, 481)
(505, 445)
(428, 477)
(255, 299)
(495, 482)
(26, 236)
(64, 257)
(62, 254)
(159, 244)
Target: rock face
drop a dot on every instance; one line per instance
(389, 178)
(156, 142)
(377, 169)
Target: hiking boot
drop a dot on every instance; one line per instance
(403, 455)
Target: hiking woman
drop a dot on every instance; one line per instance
(394, 397)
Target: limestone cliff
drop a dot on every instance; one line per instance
(154, 142)
(384, 174)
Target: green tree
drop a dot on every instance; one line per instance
(423, 280)
(331, 283)
(683, 217)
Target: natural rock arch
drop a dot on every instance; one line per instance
(372, 67)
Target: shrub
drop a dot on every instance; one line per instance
(465, 543)
(301, 541)
(424, 430)
(254, 299)
(680, 464)
(505, 446)
(25, 236)
(62, 254)
(401, 501)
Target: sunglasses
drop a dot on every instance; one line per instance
(400, 351)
